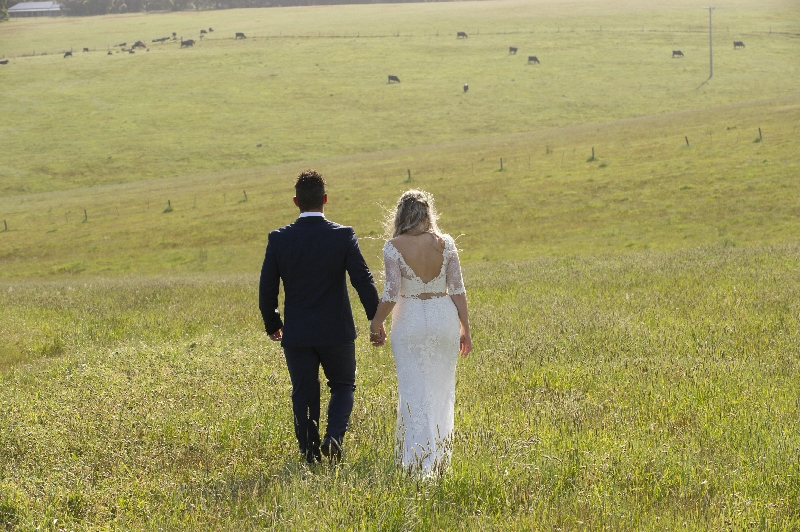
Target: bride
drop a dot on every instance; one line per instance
(430, 326)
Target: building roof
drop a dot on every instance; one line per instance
(35, 6)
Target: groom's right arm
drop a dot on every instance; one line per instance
(268, 289)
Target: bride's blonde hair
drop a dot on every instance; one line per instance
(415, 208)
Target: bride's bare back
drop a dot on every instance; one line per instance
(422, 253)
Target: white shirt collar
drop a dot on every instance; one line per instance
(306, 214)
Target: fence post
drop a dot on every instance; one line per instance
(501, 164)
(409, 174)
(687, 140)
(5, 226)
(245, 194)
(759, 132)
(85, 216)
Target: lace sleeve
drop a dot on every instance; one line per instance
(391, 262)
(455, 284)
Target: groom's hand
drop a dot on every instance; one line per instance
(276, 336)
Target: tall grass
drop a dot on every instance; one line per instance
(649, 391)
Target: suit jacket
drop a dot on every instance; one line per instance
(311, 256)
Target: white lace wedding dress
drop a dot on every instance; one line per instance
(425, 341)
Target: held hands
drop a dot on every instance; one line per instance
(276, 336)
(377, 338)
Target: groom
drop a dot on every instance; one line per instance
(311, 257)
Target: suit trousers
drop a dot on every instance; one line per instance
(339, 365)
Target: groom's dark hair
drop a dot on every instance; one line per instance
(309, 189)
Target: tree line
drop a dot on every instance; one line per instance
(102, 7)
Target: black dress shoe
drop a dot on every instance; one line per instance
(312, 454)
(332, 449)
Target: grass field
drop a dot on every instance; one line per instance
(635, 315)
(648, 391)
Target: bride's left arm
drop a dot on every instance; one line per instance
(391, 291)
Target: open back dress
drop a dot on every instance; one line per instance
(425, 341)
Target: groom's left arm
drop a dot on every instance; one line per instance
(361, 277)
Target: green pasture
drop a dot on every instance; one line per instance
(311, 83)
(635, 314)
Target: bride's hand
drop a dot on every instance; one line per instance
(379, 338)
(465, 343)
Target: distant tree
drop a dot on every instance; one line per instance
(3, 11)
(88, 7)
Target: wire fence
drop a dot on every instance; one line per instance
(546, 156)
(782, 31)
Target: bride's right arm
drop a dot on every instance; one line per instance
(455, 287)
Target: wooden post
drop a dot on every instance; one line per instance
(245, 194)
(687, 140)
(759, 132)
(409, 174)
(5, 226)
(169, 203)
(501, 164)
(85, 216)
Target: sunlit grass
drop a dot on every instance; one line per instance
(643, 391)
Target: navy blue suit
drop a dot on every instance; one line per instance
(312, 257)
